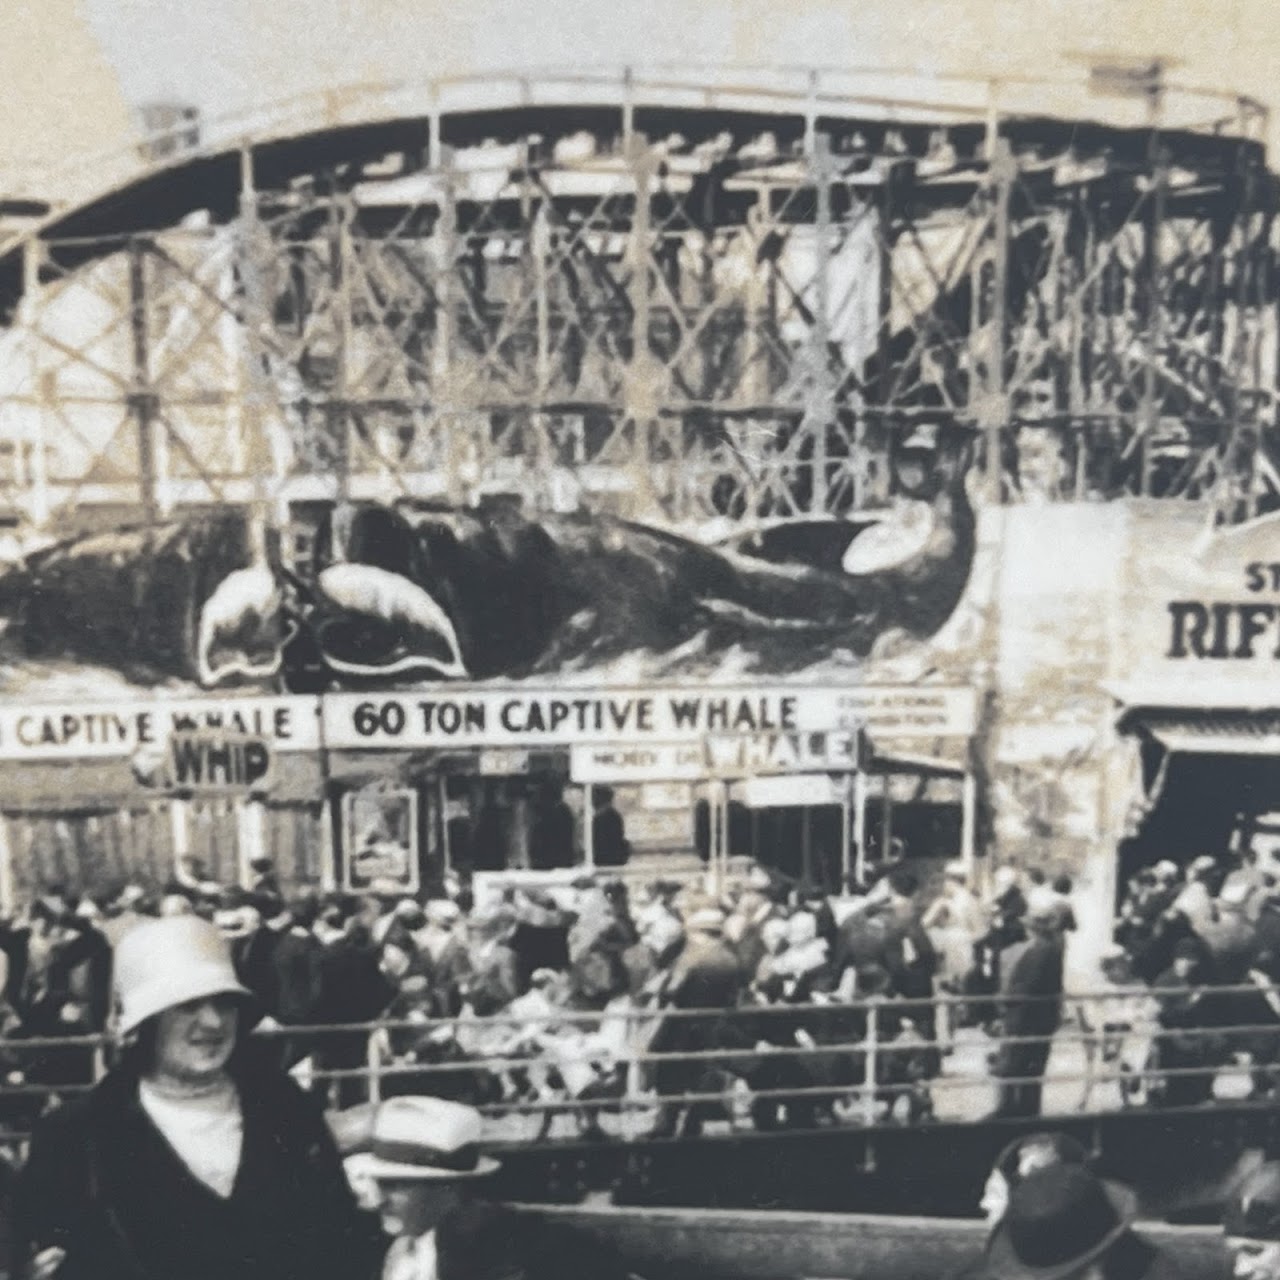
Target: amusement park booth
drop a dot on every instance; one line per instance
(389, 792)
(1197, 713)
(96, 794)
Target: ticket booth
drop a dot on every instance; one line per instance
(797, 824)
(923, 807)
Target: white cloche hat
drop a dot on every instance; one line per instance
(166, 962)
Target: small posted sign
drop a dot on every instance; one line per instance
(380, 840)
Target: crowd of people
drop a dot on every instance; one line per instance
(1205, 941)
(577, 976)
(198, 1155)
(246, 1164)
(569, 1001)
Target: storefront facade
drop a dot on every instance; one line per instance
(389, 792)
(1096, 654)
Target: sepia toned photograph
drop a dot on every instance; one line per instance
(640, 642)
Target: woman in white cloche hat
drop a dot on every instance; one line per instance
(196, 1156)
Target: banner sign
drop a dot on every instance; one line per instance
(560, 717)
(457, 716)
(803, 790)
(1201, 606)
(207, 762)
(497, 763)
(620, 763)
(75, 731)
(781, 753)
(716, 756)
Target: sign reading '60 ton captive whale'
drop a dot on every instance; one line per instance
(529, 717)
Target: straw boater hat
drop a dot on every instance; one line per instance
(167, 962)
(443, 913)
(426, 1138)
(708, 920)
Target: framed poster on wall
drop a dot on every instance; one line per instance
(380, 840)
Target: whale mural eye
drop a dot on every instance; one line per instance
(243, 629)
(900, 536)
(373, 622)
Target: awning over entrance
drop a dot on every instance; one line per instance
(1208, 732)
(896, 761)
(1199, 773)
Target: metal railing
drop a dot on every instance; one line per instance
(632, 1073)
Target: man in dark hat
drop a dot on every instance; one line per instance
(1018, 1160)
(706, 975)
(265, 881)
(1187, 1048)
(1063, 1223)
(1251, 1225)
(1030, 1011)
(609, 842)
(551, 834)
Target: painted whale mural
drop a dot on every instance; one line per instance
(398, 596)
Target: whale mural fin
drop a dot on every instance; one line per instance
(379, 623)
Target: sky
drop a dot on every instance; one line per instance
(72, 72)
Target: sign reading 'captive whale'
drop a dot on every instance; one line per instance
(488, 716)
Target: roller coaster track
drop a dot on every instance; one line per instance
(737, 296)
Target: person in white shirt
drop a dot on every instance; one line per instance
(425, 1159)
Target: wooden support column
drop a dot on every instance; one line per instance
(142, 398)
(1153, 280)
(995, 417)
(180, 829)
(886, 817)
(446, 840)
(251, 828)
(884, 368)
(860, 825)
(8, 889)
(968, 825)
(39, 505)
(641, 406)
(820, 400)
(588, 832)
(264, 457)
(338, 418)
(846, 819)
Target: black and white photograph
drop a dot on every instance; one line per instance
(640, 642)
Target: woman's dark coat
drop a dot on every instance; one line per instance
(103, 1184)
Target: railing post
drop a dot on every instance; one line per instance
(374, 1066)
(870, 1048)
